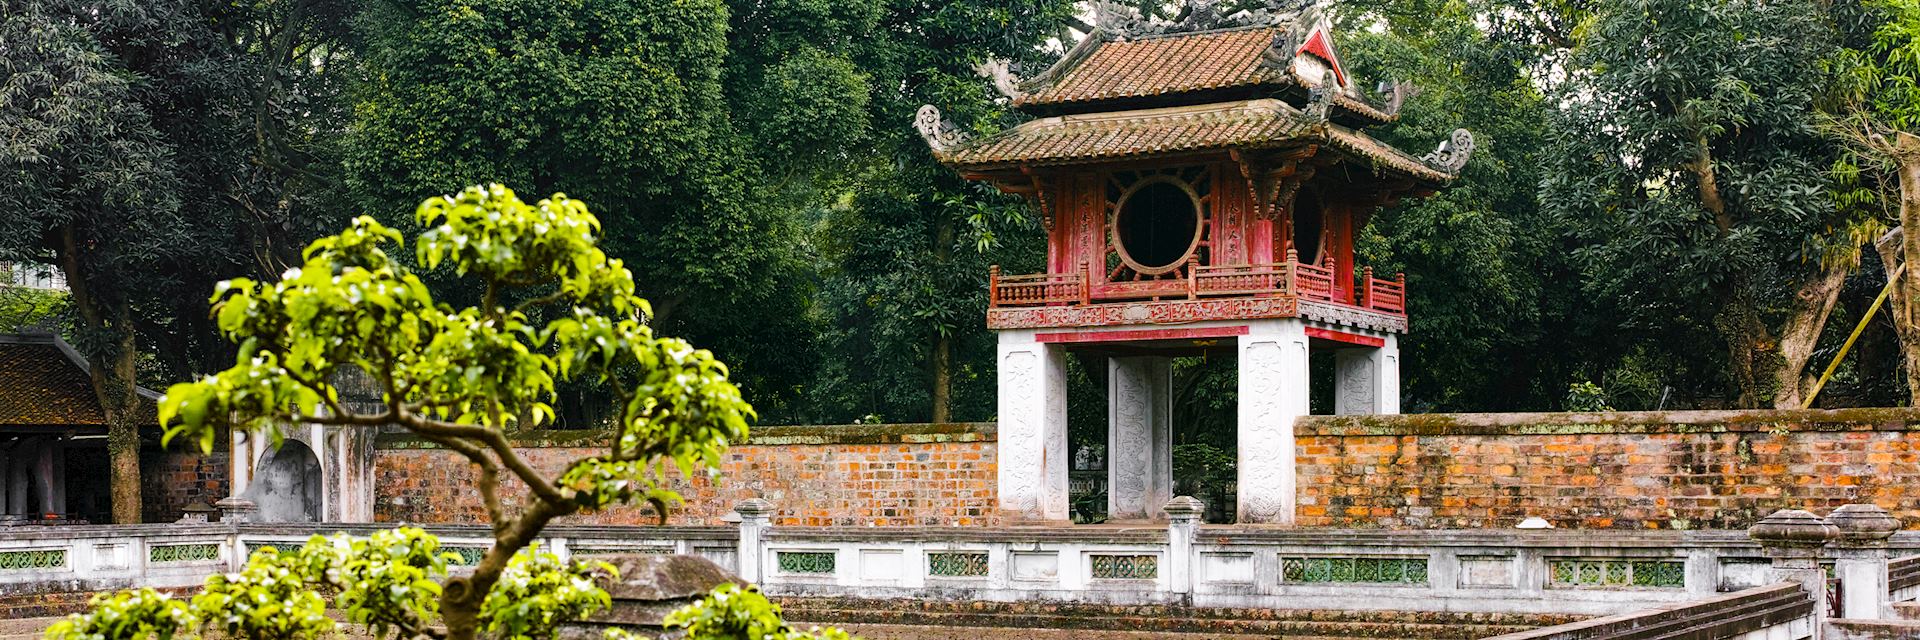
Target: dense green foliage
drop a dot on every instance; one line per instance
(462, 376)
(389, 581)
(1676, 201)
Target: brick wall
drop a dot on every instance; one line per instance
(852, 475)
(1691, 470)
(173, 478)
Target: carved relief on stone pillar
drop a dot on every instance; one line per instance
(1273, 387)
(1356, 382)
(1139, 437)
(1033, 434)
(1021, 446)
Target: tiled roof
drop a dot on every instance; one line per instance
(1103, 68)
(43, 384)
(1161, 65)
(1265, 122)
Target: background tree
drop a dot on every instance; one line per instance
(625, 102)
(1879, 116)
(907, 250)
(1686, 163)
(461, 377)
(92, 185)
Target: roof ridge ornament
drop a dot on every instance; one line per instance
(939, 133)
(1320, 100)
(1004, 81)
(1397, 93)
(1195, 15)
(1452, 155)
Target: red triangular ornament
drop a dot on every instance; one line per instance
(1320, 46)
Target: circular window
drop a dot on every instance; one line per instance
(1157, 227)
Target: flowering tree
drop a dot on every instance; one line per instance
(462, 377)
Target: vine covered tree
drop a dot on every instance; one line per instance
(462, 377)
(1687, 164)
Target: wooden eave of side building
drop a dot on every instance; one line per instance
(46, 387)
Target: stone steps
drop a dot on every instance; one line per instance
(1907, 610)
(974, 620)
(923, 632)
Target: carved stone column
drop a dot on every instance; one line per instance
(20, 459)
(1183, 526)
(1273, 392)
(1033, 453)
(1860, 559)
(1367, 380)
(57, 483)
(756, 517)
(43, 470)
(1139, 437)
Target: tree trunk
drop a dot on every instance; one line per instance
(110, 362)
(1747, 338)
(1812, 305)
(1749, 345)
(1900, 304)
(942, 377)
(942, 361)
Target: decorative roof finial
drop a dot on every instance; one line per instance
(1003, 78)
(1320, 100)
(939, 134)
(1397, 93)
(1452, 155)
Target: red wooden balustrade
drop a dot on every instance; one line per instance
(1194, 281)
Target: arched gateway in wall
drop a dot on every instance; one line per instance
(1201, 186)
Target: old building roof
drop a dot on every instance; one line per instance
(1245, 124)
(45, 383)
(1108, 68)
(1159, 65)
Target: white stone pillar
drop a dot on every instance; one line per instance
(1183, 526)
(239, 452)
(1033, 454)
(1367, 379)
(1860, 559)
(1139, 437)
(1273, 392)
(756, 517)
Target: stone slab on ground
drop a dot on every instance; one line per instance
(916, 632)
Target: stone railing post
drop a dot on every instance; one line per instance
(756, 517)
(237, 510)
(1183, 526)
(1860, 559)
(1793, 538)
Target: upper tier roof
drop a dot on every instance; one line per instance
(1115, 70)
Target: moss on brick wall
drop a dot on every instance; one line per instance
(1634, 470)
(853, 475)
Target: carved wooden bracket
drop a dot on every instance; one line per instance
(1274, 178)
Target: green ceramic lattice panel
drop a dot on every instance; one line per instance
(468, 556)
(810, 562)
(33, 559)
(957, 565)
(1355, 570)
(1662, 574)
(1126, 567)
(165, 553)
